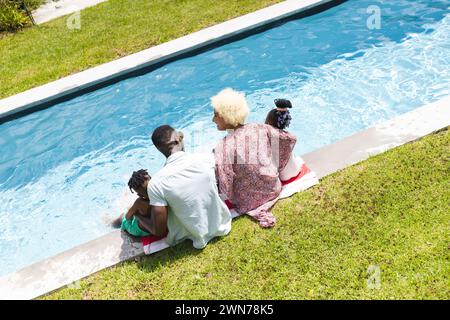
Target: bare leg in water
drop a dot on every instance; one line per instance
(141, 210)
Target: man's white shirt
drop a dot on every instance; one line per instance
(187, 185)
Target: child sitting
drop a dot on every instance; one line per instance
(280, 118)
(129, 222)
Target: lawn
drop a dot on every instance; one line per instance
(110, 30)
(384, 221)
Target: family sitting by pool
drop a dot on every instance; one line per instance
(191, 196)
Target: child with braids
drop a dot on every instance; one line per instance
(129, 222)
(280, 118)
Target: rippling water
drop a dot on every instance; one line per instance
(63, 170)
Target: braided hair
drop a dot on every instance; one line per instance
(137, 179)
(280, 117)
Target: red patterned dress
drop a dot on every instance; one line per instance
(248, 162)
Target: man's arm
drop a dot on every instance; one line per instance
(156, 217)
(156, 223)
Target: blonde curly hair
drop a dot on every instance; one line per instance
(231, 106)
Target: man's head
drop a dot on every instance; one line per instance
(138, 182)
(167, 140)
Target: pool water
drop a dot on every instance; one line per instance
(63, 170)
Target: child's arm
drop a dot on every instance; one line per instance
(117, 223)
(141, 207)
(131, 212)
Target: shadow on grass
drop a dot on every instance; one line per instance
(167, 256)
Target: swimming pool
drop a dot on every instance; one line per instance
(63, 170)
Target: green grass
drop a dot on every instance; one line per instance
(110, 30)
(13, 15)
(391, 211)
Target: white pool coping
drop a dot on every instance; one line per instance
(405, 128)
(55, 9)
(78, 81)
(113, 248)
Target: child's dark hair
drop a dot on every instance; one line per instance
(137, 179)
(280, 117)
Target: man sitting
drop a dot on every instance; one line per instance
(183, 195)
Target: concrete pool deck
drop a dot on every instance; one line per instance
(74, 264)
(55, 9)
(115, 247)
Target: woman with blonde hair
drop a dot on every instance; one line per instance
(249, 159)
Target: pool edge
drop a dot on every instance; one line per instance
(66, 88)
(109, 250)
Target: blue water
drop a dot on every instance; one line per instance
(63, 170)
